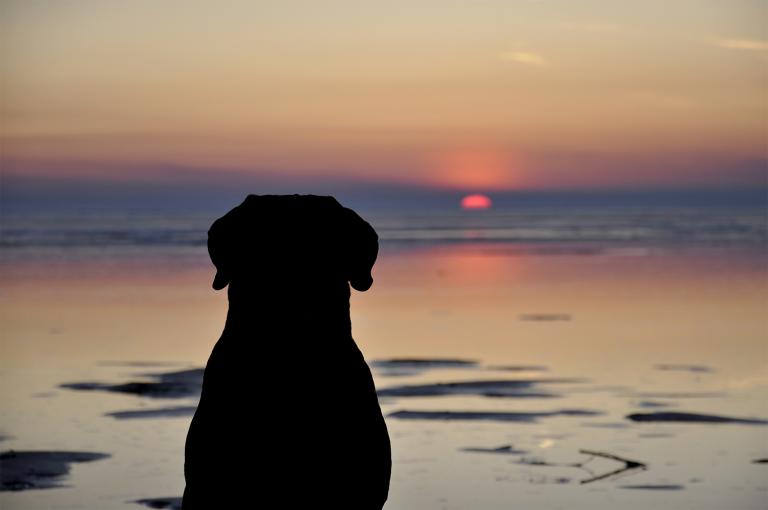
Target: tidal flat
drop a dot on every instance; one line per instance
(652, 394)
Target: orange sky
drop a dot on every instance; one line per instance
(466, 95)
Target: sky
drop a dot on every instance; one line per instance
(470, 96)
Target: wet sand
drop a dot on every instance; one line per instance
(663, 363)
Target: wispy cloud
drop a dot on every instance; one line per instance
(743, 44)
(524, 57)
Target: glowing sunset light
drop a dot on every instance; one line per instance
(475, 168)
(476, 201)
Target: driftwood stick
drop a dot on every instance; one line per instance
(628, 467)
(631, 464)
(607, 475)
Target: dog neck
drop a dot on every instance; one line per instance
(288, 308)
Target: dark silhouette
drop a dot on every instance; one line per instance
(288, 416)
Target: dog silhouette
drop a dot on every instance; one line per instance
(288, 416)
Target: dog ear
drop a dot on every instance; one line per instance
(362, 249)
(220, 249)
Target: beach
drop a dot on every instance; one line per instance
(524, 359)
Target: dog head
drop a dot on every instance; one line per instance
(291, 239)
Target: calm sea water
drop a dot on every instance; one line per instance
(598, 313)
(102, 232)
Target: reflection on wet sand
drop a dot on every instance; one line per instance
(161, 503)
(499, 450)
(162, 412)
(177, 384)
(492, 388)
(519, 417)
(682, 417)
(26, 470)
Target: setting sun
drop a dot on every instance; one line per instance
(476, 201)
